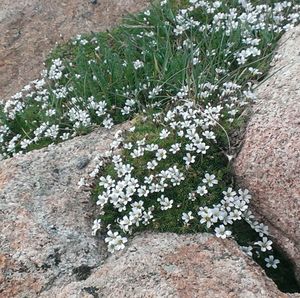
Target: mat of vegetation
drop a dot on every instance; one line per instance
(184, 71)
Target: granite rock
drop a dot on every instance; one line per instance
(30, 28)
(269, 161)
(46, 219)
(170, 265)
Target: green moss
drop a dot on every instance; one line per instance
(170, 220)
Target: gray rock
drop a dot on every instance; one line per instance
(47, 249)
(269, 162)
(82, 162)
(170, 265)
(45, 219)
(30, 28)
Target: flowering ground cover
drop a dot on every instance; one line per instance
(184, 72)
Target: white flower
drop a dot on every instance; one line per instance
(175, 175)
(209, 135)
(201, 147)
(201, 190)
(108, 123)
(155, 92)
(83, 42)
(65, 136)
(161, 154)
(221, 232)
(149, 179)
(180, 133)
(165, 202)
(138, 64)
(106, 182)
(271, 262)
(254, 71)
(218, 214)
(115, 241)
(229, 194)
(128, 145)
(186, 217)
(226, 218)
(151, 147)
(265, 244)
(247, 250)
(111, 236)
(189, 159)
(81, 182)
(125, 223)
(52, 131)
(235, 214)
(175, 148)
(143, 191)
(96, 226)
(25, 143)
(192, 196)
(207, 217)
(248, 216)
(240, 204)
(210, 180)
(244, 195)
(152, 164)
(137, 152)
(189, 147)
(119, 243)
(179, 29)
(102, 200)
(262, 229)
(147, 216)
(135, 215)
(195, 60)
(164, 134)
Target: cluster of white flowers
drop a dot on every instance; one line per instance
(138, 64)
(79, 117)
(195, 125)
(56, 70)
(55, 99)
(190, 131)
(77, 112)
(251, 19)
(12, 107)
(205, 98)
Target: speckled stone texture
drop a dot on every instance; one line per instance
(46, 247)
(45, 219)
(30, 28)
(269, 161)
(170, 265)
